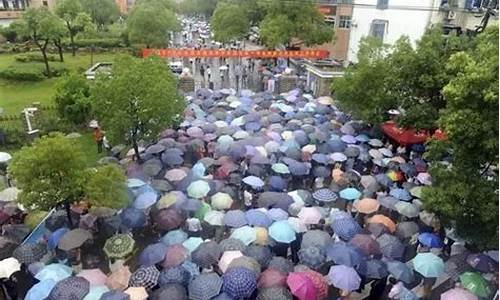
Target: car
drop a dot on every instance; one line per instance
(176, 67)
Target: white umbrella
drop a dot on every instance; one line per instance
(8, 266)
(9, 194)
(214, 217)
(5, 157)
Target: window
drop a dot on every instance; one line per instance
(478, 4)
(330, 21)
(345, 22)
(45, 3)
(382, 4)
(378, 28)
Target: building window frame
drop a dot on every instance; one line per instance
(375, 29)
(345, 22)
(382, 4)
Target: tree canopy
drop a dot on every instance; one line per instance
(75, 19)
(105, 186)
(102, 12)
(49, 172)
(229, 22)
(150, 23)
(72, 99)
(138, 101)
(198, 7)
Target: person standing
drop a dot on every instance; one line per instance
(202, 72)
(237, 75)
(98, 138)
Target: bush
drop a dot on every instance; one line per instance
(100, 43)
(48, 121)
(33, 57)
(31, 71)
(72, 99)
(15, 137)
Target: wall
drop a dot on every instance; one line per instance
(38, 3)
(405, 17)
(462, 17)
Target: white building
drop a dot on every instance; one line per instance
(389, 20)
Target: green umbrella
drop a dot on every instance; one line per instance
(416, 191)
(475, 283)
(280, 168)
(202, 211)
(119, 246)
(198, 189)
(428, 264)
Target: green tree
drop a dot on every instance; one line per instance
(465, 192)
(102, 12)
(72, 99)
(229, 22)
(105, 186)
(71, 11)
(49, 172)
(150, 23)
(138, 101)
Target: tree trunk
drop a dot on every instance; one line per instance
(58, 44)
(43, 49)
(73, 46)
(67, 207)
(136, 149)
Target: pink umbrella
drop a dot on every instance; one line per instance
(227, 258)
(272, 278)
(119, 280)
(319, 282)
(458, 294)
(301, 286)
(175, 255)
(310, 215)
(95, 276)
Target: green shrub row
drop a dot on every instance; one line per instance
(33, 57)
(100, 43)
(31, 71)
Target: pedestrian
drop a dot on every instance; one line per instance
(209, 73)
(237, 75)
(202, 72)
(244, 76)
(270, 84)
(98, 138)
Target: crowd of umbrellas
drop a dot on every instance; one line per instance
(257, 196)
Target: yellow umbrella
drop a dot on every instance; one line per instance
(262, 236)
(221, 201)
(166, 201)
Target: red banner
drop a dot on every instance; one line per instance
(172, 52)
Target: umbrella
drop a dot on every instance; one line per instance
(146, 277)
(152, 254)
(174, 237)
(350, 194)
(253, 181)
(239, 282)
(214, 218)
(135, 183)
(119, 246)
(73, 239)
(175, 175)
(373, 268)
(207, 254)
(55, 272)
(257, 218)
(192, 243)
(428, 218)
(277, 214)
(345, 254)
(133, 217)
(70, 288)
(338, 156)
(324, 195)
(301, 286)
(261, 254)
(344, 278)
(221, 201)
(231, 244)
(137, 293)
(9, 266)
(119, 278)
(367, 205)
(428, 264)
(400, 271)
(96, 292)
(198, 189)
(281, 264)
(312, 256)
(29, 253)
(115, 295)
(317, 238)
(40, 290)
(458, 294)
(319, 282)
(246, 262)
(280, 168)
(282, 232)
(482, 263)
(170, 291)
(5, 157)
(430, 240)
(168, 219)
(272, 278)
(475, 283)
(407, 209)
(345, 228)
(390, 246)
(388, 202)
(9, 194)
(405, 230)
(235, 218)
(400, 194)
(205, 287)
(274, 293)
(366, 243)
(227, 257)
(145, 200)
(177, 274)
(381, 219)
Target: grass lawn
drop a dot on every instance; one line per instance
(14, 96)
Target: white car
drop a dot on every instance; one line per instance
(176, 67)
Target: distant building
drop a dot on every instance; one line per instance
(12, 9)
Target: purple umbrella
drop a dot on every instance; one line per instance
(277, 183)
(482, 263)
(235, 218)
(345, 278)
(390, 246)
(258, 218)
(345, 254)
(349, 139)
(152, 254)
(277, 214)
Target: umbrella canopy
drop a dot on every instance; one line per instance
(9, 194)
(373, 268)
(350, 194)
(239, 282)
(70, 288)
(207, 254)
(407, 209)
(406, 229)
(174, 237)
(145, 200)
(274, 293)
(205, 287)
(192, 243)
(277, 214)
(430, 240)
(137, 293)
(253, 181)
(146, 277)
(227, 257)
(458, 294)
(317, 238)
(367, 205)
(475, 283)
(40, 290)
(152, 254)
(345, 278)
(119, 279)
(381, 219)
(119, 246)
(235, 218)
(400, 271)
(390, 246)
(133, 217)
(231, 244)
(177, 274)
(272, 278)
(198, 189)
(256, 217)
(312, 256)
(345, 254)
(282, 232)
(73, 239)
(366, 243)
(168, 219)
(170, 291)
(280, 168)
(325, 195)
(174, 175)
(400, 194)
(319, 282)
(8, 266)
(482, 263)
(345, 228)
(221, 201)
(55, 272)
(301, 286)
(428, 264)
(214, 218)
(29, 253)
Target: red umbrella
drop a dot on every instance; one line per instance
(168, 219)
(404, 136)
(301, 286)
(272, 278)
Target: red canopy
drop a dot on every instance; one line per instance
(404, 136)
(439, 135)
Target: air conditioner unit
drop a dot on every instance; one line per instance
(451, 15)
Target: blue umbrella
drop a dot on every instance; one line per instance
(390, 246)
(282, 232)
(345, 254)
(312, 256)
(400, 271)
(298, 169)
(145, 200)
(55, 272)
(198, 170)
(174, 237)
(384, 180)
(277, 184)
(253, 181)
(336, 145)
(246, 234)
(96, 292)
(257, 218)
(235, 218)
(277, 214)
(320, 158)
(350, 194)
(482, 263)
(40, 290)
(430, 240)
(115, 295)
(143, 189)
(55, 236)
(153, 254)
(325, 195)
(192, 243)
(135, 183)
(400, 194)
(345, 228)
(428, 264)
(239, 282)
(133, 217)
(373, 268)
(177, 274)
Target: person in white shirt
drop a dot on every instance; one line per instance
(247, 197)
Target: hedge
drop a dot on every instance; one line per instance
(33, 57)
(100, 43)
(31, 71)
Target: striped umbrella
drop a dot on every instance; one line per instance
(325, 195)
(146, 277)
(345, 228)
